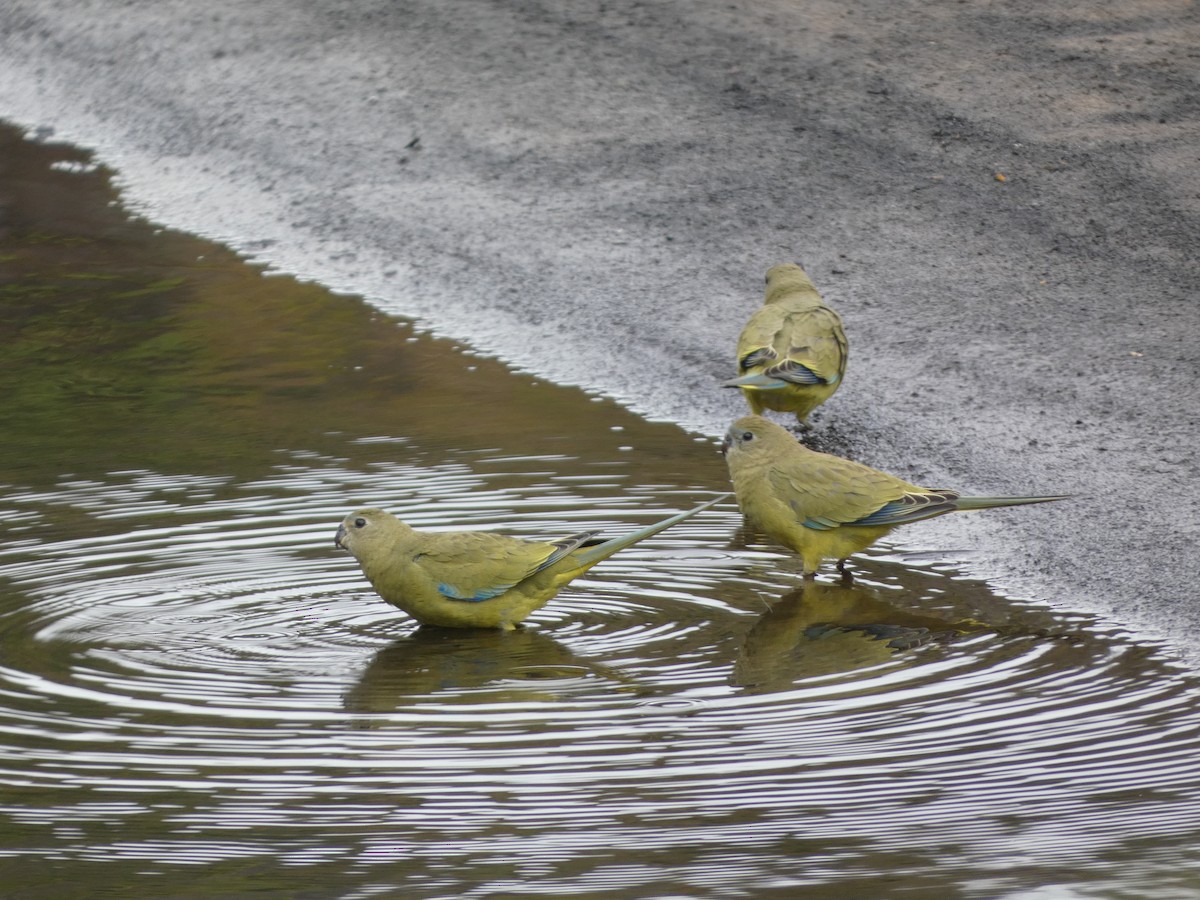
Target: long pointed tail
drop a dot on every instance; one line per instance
(989, 502)
(589, 556)
(757, 383)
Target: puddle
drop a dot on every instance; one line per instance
(200, 695)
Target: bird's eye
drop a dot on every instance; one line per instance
(747, 436)
(360, 522)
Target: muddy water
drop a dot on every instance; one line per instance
(200, 696)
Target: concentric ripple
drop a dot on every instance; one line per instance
(207, 672)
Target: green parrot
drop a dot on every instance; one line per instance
(473, 579)
(823, 506)
(792, 353)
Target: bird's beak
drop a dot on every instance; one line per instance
(726, 443)
(339, 537)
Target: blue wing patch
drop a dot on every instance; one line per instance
(453, 593)
(561, 548)
(795, 372)
(911, 508)
(820, 523)
(759, 357)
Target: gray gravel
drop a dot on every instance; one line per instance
(1002, 200)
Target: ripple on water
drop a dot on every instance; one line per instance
(205, 661)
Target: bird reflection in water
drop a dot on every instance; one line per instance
(826, 628)
(482, 664)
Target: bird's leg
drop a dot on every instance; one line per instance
(847, 575)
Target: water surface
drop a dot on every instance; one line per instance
(200, 696)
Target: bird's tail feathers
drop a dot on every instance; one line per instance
(757, 383)
(590, 555)
(989, 502)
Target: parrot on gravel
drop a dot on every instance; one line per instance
(792, 353)
(473, 579)
(823, 506)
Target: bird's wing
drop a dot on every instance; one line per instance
(825, 492)
(476, 566)
(797, 346)
(756, 343)
(812, 346)
(757, 357)
(912, 507)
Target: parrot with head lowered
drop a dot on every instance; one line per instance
(792, 353)
(823, 506)
(473, 579)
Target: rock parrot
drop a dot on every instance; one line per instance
(473, 579)
(823, 506)
(792, 353)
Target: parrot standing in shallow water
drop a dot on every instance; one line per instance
(823, 506)
(792, 353)
(474, 579)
